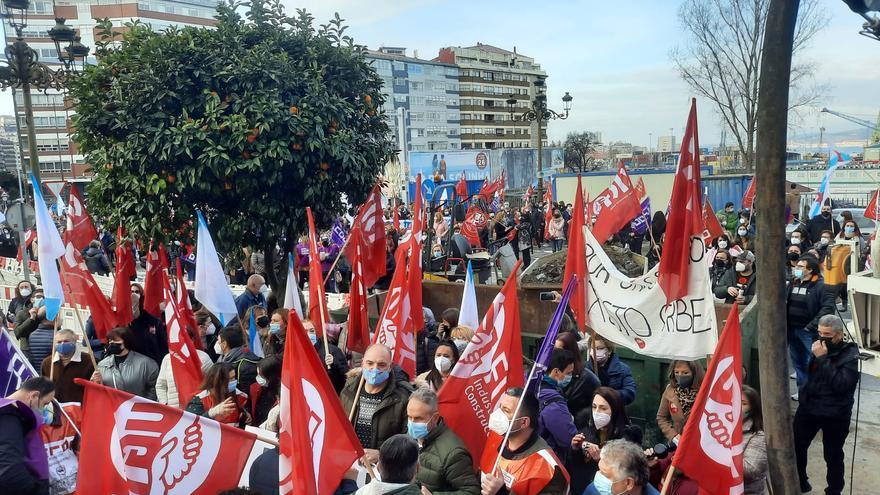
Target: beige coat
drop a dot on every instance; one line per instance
(670, 418)
(166, 389)
(755, 462)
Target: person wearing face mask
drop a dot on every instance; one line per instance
(273, 343)
(685, 378)
(60, 434)
(445, 357)
(579, 393)
(807, 301)
(335, 361)
(378, 407)
(208, 331)
(793, 254)
(727, 217)
(461, 335)
(445, 465)
(254, 295)
(327, 251)
(230, 348)
(743, 238)
(799, 238)
(555, 231)
(40, 332)
(265, 392)
(720, 266)
(22, 300)
(527, 466)
(166, 386)
(826, 402)
(426, 341)
(738, 284)
(623, 470)
(28, 319)
(754, 444)
(66, 364)
(150, 336)
(608, 421)
(555, 422)
(220, 399)
(612, 372)
(822, 222)
(125, 369)
(398, 466)
(24, 466)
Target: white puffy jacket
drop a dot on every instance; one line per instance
(166, 389)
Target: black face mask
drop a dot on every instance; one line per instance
(262, 321)
(793, 256)
(114, 348)
(721, 263)
(826, 214)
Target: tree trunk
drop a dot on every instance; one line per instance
(269, 259)
(772, 345)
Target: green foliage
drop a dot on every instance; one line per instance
(249, 122)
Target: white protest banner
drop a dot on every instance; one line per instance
(632, 312)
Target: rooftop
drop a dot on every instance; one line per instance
(398, 54)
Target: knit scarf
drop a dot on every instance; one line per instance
(686, 397)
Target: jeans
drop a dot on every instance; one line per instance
(557, 244)
(800, 343)
(834, 433)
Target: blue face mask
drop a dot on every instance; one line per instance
(65, 348)
(313, 338)
(602, 484)
(48, 414)
(375, 377)
(274, 328)
(849, 229)
(798, 273)
(232, 385)
(417, 430)
(38, 302)
(565, 381)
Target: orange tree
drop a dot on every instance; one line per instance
(249, 122)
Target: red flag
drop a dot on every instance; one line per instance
(685, 219)
(184, 307)
(134, 445)
(872, 211)
(548, 215)
(395, 219)
(316, 441)
(491, 363)
(317, 304)
(358, 319)
(414, 285)
(85, 292)
(489, 189)
(461, 188)
(710, 451)
(418, 215)
(528, 194)
(79, 225)
(640, 188)
(122, 285)
(474, 220)
(710, 220)
(576, 259)
(186, 367)
(395, 328)
(368, 229)
(29, 237)
(749, 196)
(157, 263)
(616, 206)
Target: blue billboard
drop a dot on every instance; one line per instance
(450, 165)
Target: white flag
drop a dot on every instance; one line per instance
(291, 292)
(212, 289)
(468, 313)
(49, 249)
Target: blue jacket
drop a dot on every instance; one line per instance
(555, 423)
(41, 342)
(649, 490)
(245, 300)
(617, 375)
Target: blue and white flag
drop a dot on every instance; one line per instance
(824, 192)
(254, 341)
(468, 313)
(338, 233)
(212, 289)
(291, 292)
(14, 367)
(640, 224)
(49, 249)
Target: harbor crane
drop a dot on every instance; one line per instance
(855, 120)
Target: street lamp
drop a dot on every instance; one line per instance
(22, 69)
(538, 112)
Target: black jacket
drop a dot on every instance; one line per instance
(245, 364)
(831, 383)
(263, 477)
(426, 343)
(817, 224)
(151, 340)
(15, 477)
(730, 279)
(819, 302)
(96, 261)
(339, 367)
(579, 393)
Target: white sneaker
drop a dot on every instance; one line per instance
(793, 376)
(794, 397)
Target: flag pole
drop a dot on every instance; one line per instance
(515, 413)
(357, 396)
(323, 305)
(341, 250)
(667, 479)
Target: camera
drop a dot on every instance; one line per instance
(662, 450)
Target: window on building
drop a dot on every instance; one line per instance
(414, 68)
(400, 81)
(55, 166)
(399, 66)
(44, 122)
(400, 98)
(417, 132)
(416, 85)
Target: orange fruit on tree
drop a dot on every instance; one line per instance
(325, 166)
(296, 146)
(368, 99)
(294, 109)
(171, 179)
(227, 186)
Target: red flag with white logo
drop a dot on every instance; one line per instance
(710, 451)
(491, 364)
(316, 441)
(136, 446)
(317, 303)
(157, 264)
(685, 220)
(474, 220)
(414, 283)
(369, 228)
(122, 285)
(640, 189)
(81, 286)
(576, 259)
(461, 189)
(872, 211)
(710, 220)
(418, 210)
(615, 207)
(184, 306)
(29, 237)
(186, 367)
(358, 319)
(395, 328)
(79, 225)
(749, 196)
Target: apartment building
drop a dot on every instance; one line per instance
(421, 99)
(488, 76)
(58, 156)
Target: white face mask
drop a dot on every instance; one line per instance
(442, 363)
(217, 349)
(210, 329)
(25, 292)
(722, 244)
(795, 240)
(461, 344)
(601, 355)
(601, 420)
(498, 422)
(740, 266)
(742, 232)
(262, 381)
(824, 241)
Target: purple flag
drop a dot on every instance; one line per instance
(542, 360)
(640, 223)
(14, 367)
(338, 234)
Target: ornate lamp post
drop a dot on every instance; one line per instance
(22, 69)
(538, 112)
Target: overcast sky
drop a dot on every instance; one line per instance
(612, 56)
